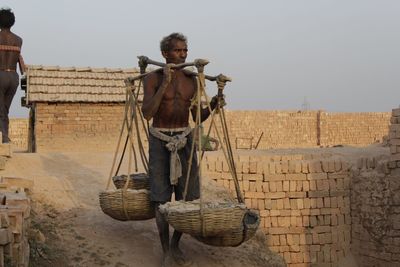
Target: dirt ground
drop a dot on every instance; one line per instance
(69, 229)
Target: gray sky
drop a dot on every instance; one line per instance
(341, 55)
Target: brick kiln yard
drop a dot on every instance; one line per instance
(69, 229)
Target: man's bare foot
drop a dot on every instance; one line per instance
(179, 258)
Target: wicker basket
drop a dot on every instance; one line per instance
(218, 218)
(251, 221)
(125, 205)
(137, 181)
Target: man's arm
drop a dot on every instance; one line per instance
(205, 112)
(153, 96)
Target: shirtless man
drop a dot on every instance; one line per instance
(167, 100)
(10, 47)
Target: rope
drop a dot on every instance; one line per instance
(174, 144)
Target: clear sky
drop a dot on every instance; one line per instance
(339, 55)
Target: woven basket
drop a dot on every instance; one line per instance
(218, 218)
(137, 181)
(251, 221)
(125, 205)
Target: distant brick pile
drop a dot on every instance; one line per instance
(394, 139)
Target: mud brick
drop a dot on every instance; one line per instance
(275, 195)
(306, 212)
(340, 184)
(268, 203)
(292, 186)
(306, 185)
(304, 167)
(315, 167)
(293, 221)
(246, 185)
(265, 186)
(254, 203)
(286, 256)
(296, 194)
(271, 168)
(313, 257)
(252, 177)
(296, 177)
(247, 201)
(272, 186)
(253, 167)
(337, 165)
(278, 230)
(275, 213)
(286, 203)
(317, 176)
(340, 219)
(300, 202)
(274, 222)
(315, 212)
(313, 194)
(283, 221)
(322, 185)
(313, 203)
(267, 222)
(313, 185)
(284, 166)
(293, 204)
(332, 185)
(327, 219)
(346, 183)
(259, 186)
(307, 203)
(327, 202)
(252, 186)
(279, 204)
(274, 205)
(225, 166)
(306, 221)
(274, 177)
(285, 186)
(299, 186)
(254, 195)
(278, 167)
(296, 257)
(282, 240)
(313, 221)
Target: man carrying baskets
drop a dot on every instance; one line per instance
(168, 102)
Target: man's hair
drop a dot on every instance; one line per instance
(7, 18)
(166, 42)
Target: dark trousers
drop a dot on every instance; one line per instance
(8, 86)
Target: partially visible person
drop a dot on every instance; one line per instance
(10, 49)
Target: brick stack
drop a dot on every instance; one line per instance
(14, 223)
(394, 139)
(304, 203)
(18, 132)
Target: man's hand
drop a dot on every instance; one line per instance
(217, 101)
(168, 71)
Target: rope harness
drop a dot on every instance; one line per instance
(174, 144)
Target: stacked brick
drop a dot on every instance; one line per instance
(18, 133)
(375, 210)
(293, 129)
(14, 225)
(78, 126)
(394, 139)
(358, 129)
(304, 203)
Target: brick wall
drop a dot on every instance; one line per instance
(18, 132)
(303, 200)
(96, 126)
(77, 126)
(354, 128)
(286, 129)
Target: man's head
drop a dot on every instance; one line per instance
(174, 48)
(7, 18)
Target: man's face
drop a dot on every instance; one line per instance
(178, 52)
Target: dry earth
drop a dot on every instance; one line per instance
(69, 228)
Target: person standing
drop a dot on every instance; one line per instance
(167, 101)
(10, 55)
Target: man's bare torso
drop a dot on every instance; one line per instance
(9, 59)
(174, 108)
